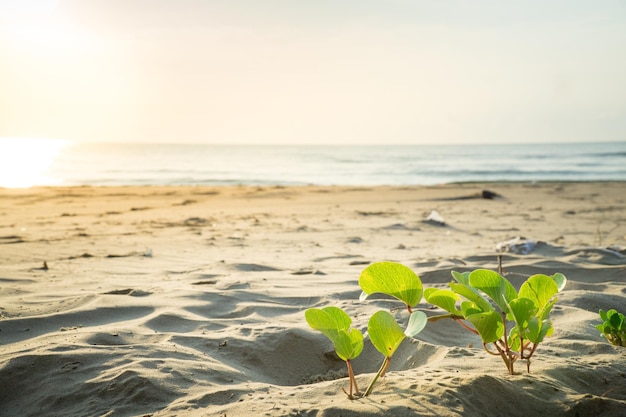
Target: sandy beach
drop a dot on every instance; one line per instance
(189, 301)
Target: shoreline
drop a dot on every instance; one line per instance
(189, 300)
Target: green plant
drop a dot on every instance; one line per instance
(613, 327)
(515, 323)
(386, 335)
(384, 332)
(348, 343)
(401, 283)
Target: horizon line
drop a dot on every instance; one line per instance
(398, 144)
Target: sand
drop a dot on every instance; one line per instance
(189, 301)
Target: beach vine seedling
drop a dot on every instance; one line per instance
(389, 278)
(492, 306)
(613, 327)
(335, 324)
(401, 283)
(386, 335)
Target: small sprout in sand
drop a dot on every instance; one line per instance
(400, 282)
(348, 343)
(613, 327)
(386, 335)
(491, 304)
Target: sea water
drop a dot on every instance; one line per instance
(199, 164)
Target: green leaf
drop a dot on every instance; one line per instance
(385, 333)
(495, 286)
(489, 325)
(545, 312)
(540, 288)
(560, 280)
(514, 339)
(417, 322)
(468, 308)
(603, 315)
(429, 291)
(538, 330)
(522, 310)
(349, 345)
(461, 278)
(616, 320)
(328, 320)
(335, 324)
(393, 279)
(445, 299)
(472, 295)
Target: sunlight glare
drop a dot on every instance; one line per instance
(13, 7)
(25, 162)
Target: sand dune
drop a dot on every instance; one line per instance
(189, 301)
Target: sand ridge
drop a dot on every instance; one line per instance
(164, 301)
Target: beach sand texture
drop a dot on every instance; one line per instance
(189, 301)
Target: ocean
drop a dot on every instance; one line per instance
(195, 164)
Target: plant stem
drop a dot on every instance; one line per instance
(532, 351)
(510, 355)
(381, 372)
(507, 361)
(503, 354)
(433, 319)
(506, 339)
(466, 326)
(490, 352)
(352, 380)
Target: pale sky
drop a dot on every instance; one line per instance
(313, 72)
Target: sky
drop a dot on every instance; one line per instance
(313, 72)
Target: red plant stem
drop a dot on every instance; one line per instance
(490, 352)
(349, 377)
(509, 358)
(504, 354)
(352, 379)
(532, 351)
(466, 326)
